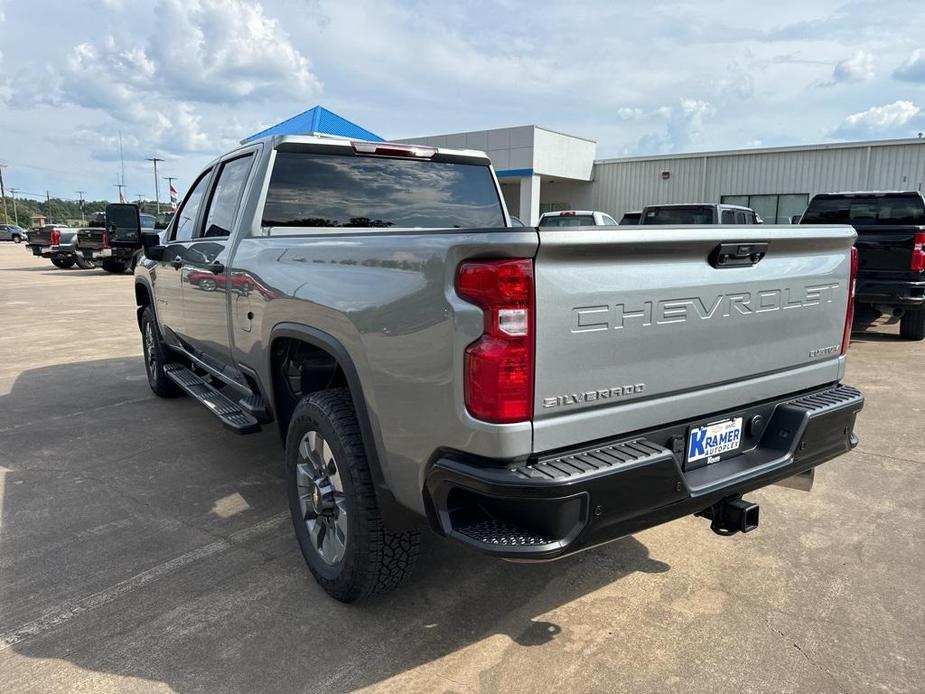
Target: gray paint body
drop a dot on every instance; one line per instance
(386, 296)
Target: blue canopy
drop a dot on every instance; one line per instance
(317, 120)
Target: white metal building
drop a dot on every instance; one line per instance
(541, 170)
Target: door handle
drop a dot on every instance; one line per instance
(177, 262)
(216, 268)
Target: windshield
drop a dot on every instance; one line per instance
(570, 220)
(866, 210)
(692, 214)
(337, 190)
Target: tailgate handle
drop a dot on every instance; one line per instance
(738, 254)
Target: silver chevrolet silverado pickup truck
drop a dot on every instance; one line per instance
(527, 392)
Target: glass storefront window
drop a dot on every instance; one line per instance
(773, 209)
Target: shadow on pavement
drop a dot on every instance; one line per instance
(139, 539)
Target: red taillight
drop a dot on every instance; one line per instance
(55, 237)
(105, 239)
(849, 312)
(499, 365)
(918, 252)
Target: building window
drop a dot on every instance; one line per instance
(553, 207)
(773, 209)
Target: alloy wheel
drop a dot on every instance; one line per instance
(321, 498)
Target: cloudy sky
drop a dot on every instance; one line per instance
(187, 79)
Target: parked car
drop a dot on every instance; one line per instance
(699, 213)
(525, 392)
(58, 243)
(116, 245)
(630, 218)
(891, 251)
(576, 218)
(12, 232)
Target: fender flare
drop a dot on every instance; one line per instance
(394, 514)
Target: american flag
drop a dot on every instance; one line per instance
(173, 198)
(121, 196)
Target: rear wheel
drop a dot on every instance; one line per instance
(63, 263)
(113, 266)
(155, 357)
(912, 325)
(85, 263)
(333, 503)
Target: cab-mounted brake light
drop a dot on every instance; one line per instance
(390, 149)
(499, 365)
(849, 312)
(917, 263)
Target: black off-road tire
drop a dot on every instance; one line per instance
(155, 356)
(85, 263)
(912, 325)
(375, 559)
(63, 263)
(113, 266)
(17, 238)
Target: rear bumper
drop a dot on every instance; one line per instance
(59, 251)
(556, 504)
(887, 292)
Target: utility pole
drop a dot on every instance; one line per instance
(48, 205)
(6, 217)
(13, 192)
(141, 205)
(157, 186)
(80, 194)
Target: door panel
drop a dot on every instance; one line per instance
(206, 287)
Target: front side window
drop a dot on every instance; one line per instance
(226, 196)
(729, 217)
(608, 220)
(186, 217)
(337, 190)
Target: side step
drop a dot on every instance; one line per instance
(232, 416)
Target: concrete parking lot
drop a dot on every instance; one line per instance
(143, 548)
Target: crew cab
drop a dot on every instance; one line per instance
(58, 243)
(698, 213)
(116, 245)
(528, 392)
(576, 218)
(891, 252)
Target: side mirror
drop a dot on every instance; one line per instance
(123, 223)
(151, 242)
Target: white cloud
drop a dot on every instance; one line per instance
(913, 70)
(684, 124)
(858, 68)
(895, 119)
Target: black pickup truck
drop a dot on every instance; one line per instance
(891, 252)
(115, 245)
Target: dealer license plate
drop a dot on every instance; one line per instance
(710, 442)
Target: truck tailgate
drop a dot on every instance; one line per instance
(90, 239)
(886, 247)
(637, 328)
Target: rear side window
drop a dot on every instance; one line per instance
(866, 210)
(569, 220)
(226, 196)
(693, 214)
(336, 190)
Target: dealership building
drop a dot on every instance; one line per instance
(542, 170)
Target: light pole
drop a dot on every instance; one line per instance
(157, 185)
(6, 217)
(13, 192)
